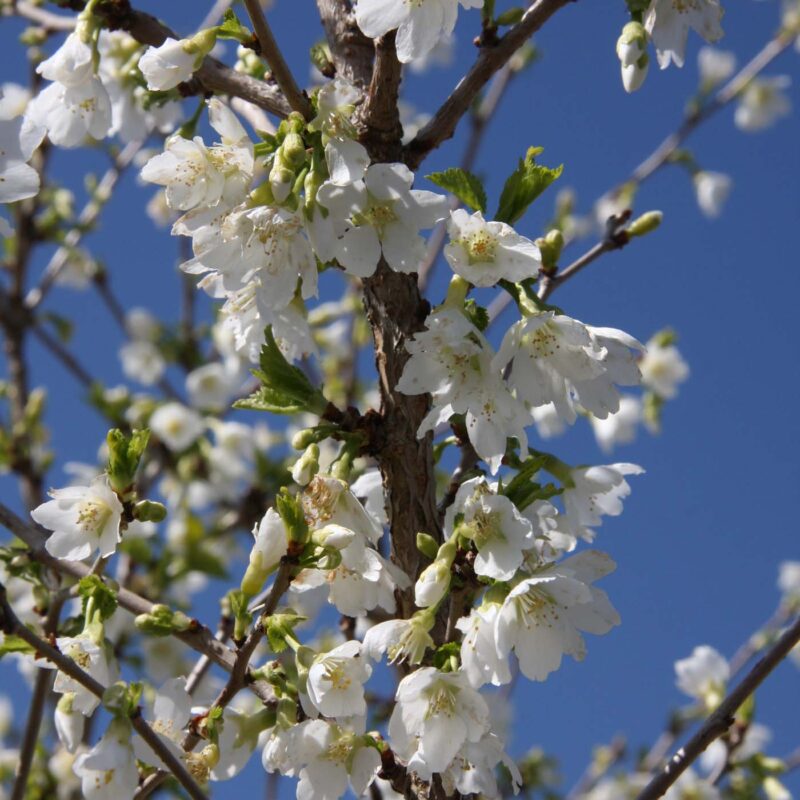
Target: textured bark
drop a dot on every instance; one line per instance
(352, 52)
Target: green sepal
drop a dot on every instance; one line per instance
(427, 545)
(468, 188)
(291, 512)
(524, 185)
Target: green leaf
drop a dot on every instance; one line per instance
(467, 187)
(285, 388)
(444, 653)
(524, 185)
(231, 28)
(104, 597)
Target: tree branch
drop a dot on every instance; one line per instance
(10, 624)
(491, 59)
(296, 98)
(198, 637)
(722, 719)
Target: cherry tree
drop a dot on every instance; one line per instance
(418, 549)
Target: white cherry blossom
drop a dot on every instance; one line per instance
(347, 160)
(715, 66)
(76, 103)
(400, 639)
(668, 23)
(177, 426)
(380, 215)
(543, 616)
(174, 62)
(473, 770)
(332, 757)
(560, 360)
(485, 252)
(712, 190)
(435, 714)
(663, 368)
(618, 428)
(142, 361)
(498, 531)
(108, 771)
(336, 681)
(690, 786)
(594, 492)
(453, 361)
(18, 140)
(269, 547)
(763, 102)
(703, 675)
(420, 24)
(195, 175)
(789, 580)
(92, 658)
(481, 660)
(83, 519)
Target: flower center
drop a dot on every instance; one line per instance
(441, 700)
(543, 342)
(480, 247)
(92, 516)
(337, 676)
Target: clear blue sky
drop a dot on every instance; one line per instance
(699, 544)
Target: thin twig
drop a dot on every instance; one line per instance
(10, 624)
(598, 768)
(722, 719)
(198, 637)
(443, 124)
(55, 347)
(296, 98)
(239, 674)
(86, 219)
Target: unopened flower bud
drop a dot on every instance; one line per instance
(307, 466)
(645, 224)
(632, 53)
(550, 247)
(149, 511)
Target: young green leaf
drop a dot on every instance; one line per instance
(467, 187)
(524, 185)
(285, 389)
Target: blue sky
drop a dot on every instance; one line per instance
(705, 528)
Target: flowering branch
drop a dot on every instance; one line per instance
(39, 694)
(295, 97)
(722, 719)
(10, 624)
(730, 91)
(198, 637)
(491, 59)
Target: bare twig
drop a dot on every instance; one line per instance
(491, 59)
(722, 719)
(296, 98)
(599, 768)
(72, 364)
(10, 624)
(86, 219)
